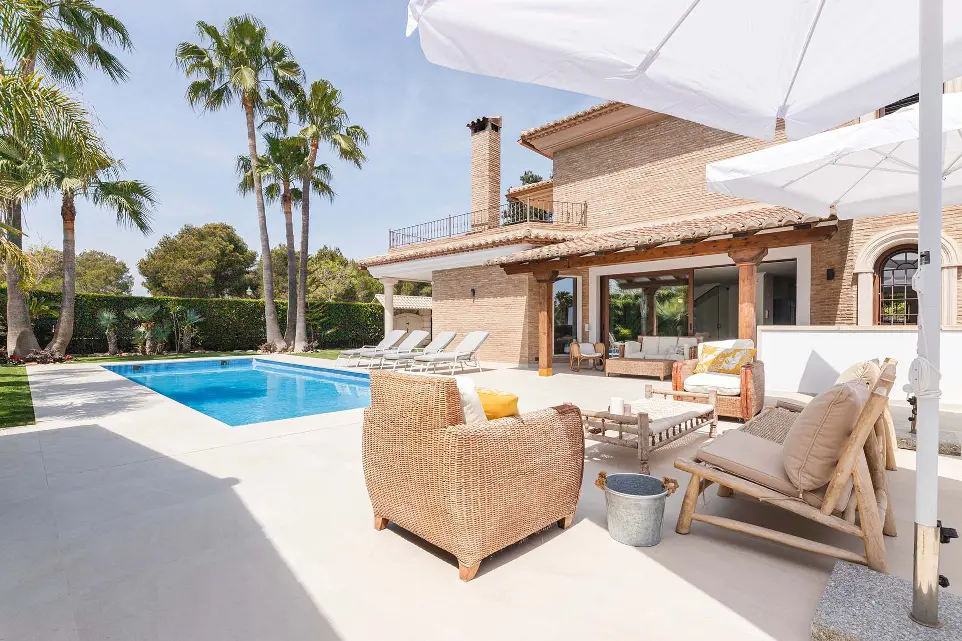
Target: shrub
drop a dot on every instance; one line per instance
(226, 324)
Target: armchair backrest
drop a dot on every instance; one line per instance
(413, 403)
(745, 343)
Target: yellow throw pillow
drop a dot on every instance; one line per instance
(707, 357)
(731, 361)
(498, 404)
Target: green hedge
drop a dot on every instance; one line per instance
(229, 323)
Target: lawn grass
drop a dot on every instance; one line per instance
(329, 354)
(16, 403)
(155, 357)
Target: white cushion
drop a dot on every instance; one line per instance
(587, 349)
(632, 347)
(664, 413)
(470, 401)
(638, 356)
(724, 384)
(650, 344)
(675, 357)
(746, 343)
(666, 343)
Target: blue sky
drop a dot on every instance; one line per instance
(414, 112)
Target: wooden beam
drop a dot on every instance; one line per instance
(703, 248)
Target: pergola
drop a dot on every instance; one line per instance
(746, 237)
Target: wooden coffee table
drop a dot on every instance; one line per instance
(656, 420)
(659, 367)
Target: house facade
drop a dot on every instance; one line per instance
(626, 240)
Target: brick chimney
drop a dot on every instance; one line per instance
(485, 172)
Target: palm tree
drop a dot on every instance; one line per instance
(60, 39)
(318, 108)
(107, 319)
(280, 166)
(60, 167)
(239, 64)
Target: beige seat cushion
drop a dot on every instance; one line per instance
(631, 348)
(865, 372)
(817, 437)
(724, 384)
(650, 344)
(759, 460)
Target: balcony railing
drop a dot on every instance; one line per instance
(510, 213)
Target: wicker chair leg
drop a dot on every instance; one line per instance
(565, 523)
(467, 573)
(380, 522)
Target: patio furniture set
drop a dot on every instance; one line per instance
(440, 465)
(400, 349)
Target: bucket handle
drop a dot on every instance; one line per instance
(670, 485)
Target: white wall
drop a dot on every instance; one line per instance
(809, 359)
(802, 254)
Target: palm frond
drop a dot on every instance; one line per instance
(131, 200)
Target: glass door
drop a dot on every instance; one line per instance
(565, 314)
(646, 304)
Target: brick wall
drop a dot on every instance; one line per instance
(506, 306)
(835, 302)
(652, 172)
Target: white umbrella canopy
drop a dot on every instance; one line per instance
(868, 169)
(735, 65)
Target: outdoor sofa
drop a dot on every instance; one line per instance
(651, 355)
(470, 489)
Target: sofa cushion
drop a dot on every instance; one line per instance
(688, 342)
(650, 344)
(724, 384)
(497, 404)
(865, 372)
(666, 343)
(470, 401)
(632, 347)
(731, 361)
(735, 342)
(760, 461)
(818, 435)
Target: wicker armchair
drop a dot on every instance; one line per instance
(469, 489)
(744, 406)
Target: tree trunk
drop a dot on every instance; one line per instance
(289, 333)
(64, 331)
(20, 336)
(112, 342)
(300, 339)
(186, 340)
(270, 310)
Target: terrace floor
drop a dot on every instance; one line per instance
(126, 516)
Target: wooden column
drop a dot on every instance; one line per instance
(545, 321)
(747, 261)
(651, 321)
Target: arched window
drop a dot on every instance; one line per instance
(896, 303)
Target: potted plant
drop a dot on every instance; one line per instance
(107, 319)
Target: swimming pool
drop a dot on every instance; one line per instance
(241, 391)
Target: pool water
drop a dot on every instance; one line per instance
(241, 391)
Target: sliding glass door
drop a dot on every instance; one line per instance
(565, 314)
(646, 304)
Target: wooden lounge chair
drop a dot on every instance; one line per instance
(580, 352)
(858, 485)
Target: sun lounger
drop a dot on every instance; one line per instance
(389, 341)
(376, 356)
(465, 353)
(436, 346)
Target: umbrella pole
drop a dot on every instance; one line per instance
(925, 597)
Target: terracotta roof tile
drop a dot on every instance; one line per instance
(472, 242)
(407, 302)
(610, 105)
(650, 235)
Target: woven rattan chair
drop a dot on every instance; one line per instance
(859, 487)
(747, 404)
(469, 489)
(576, 356)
